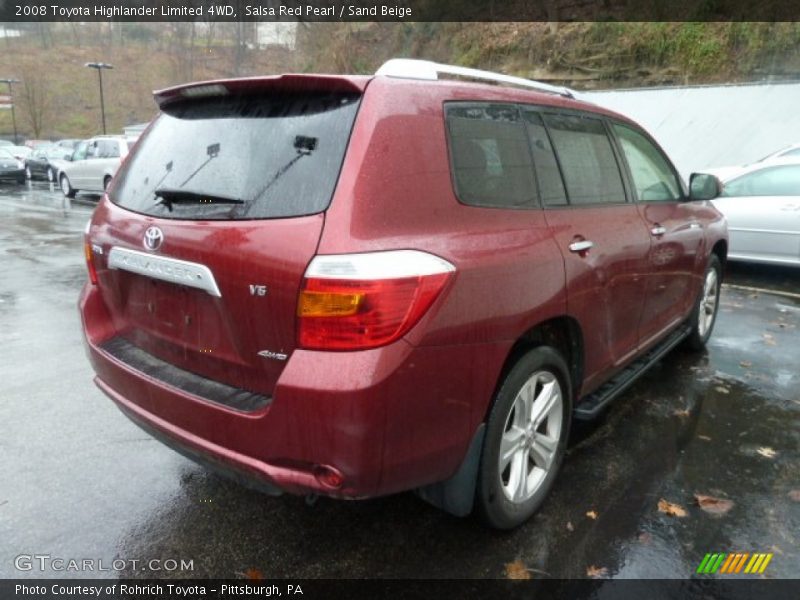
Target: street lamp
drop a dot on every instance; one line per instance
(100, 67)
(10, 82)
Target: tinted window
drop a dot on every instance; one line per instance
(240, 157)
(490, 157)
(652, 175)
(773, 181)
(587, 159)
(548, 176)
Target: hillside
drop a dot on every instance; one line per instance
(59, 97)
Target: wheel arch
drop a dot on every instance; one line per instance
(563, 333)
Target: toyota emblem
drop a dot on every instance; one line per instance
(153, 238)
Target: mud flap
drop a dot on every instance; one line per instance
(457, 494)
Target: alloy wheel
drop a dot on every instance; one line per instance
(530, 437)
(708, 303)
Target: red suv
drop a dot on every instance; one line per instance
(356, 286)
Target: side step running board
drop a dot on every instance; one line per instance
(594, 403)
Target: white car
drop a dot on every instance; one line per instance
(792, 151)
(93, 164)
(762, 205)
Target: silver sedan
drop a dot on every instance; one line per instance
(762, 205)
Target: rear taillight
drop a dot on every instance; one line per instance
(357, 301)
(89, 254)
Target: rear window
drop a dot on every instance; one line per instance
(239, 157)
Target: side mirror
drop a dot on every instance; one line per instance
(703, 186)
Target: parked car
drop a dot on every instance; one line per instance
(19, 152)
(93, 164)
(355, 286)
(46, 161)
(762, 205)
(33, 144)
(792, 151)
(68, 143)
(11, 168)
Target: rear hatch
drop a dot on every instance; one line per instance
(202, 244)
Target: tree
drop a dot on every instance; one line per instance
(34, 98)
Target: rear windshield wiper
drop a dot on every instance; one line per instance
(170, 196)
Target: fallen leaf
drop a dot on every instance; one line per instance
(591, 514)
(570, 526)
(722, 390)
(745, 364)
(517, 570)
(769, 339)
(253, 575)
(596, 572)
(670, 509)
(681, 412)
(705, 438)
(767, 452)
(795, 495)
(713, 505)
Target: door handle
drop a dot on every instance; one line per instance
(581, 246)
(658, 230)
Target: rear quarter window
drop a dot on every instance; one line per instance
(489, 156)
(239, 157)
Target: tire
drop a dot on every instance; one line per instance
(68, 190)
(51, 177)
(704, 313)
(504, 498)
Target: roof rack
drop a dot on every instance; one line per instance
(424, 69)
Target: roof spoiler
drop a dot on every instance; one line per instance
(277, 83)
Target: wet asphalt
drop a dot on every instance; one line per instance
(78, 480)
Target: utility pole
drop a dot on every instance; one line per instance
(10, 82)
(100, 66)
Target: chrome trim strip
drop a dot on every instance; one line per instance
(172, 270)
(753, 230)
(385, 264)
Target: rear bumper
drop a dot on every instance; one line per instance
(252, 479)
(12, 175)
(389, 419)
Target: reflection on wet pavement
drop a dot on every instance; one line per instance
(87, 483)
